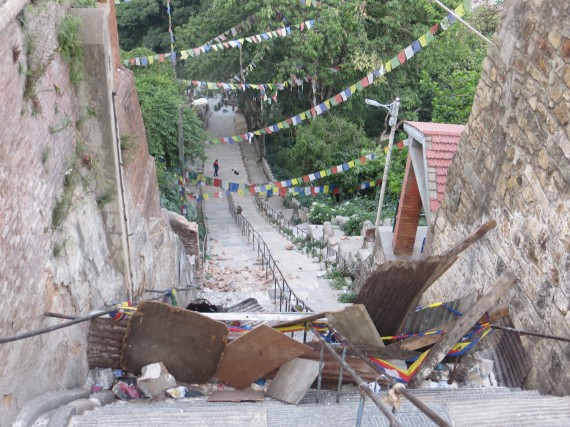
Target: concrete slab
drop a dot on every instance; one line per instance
(236, 396)
(293, 380)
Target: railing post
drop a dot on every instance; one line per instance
(321, 367)
(360, 410)
(340, 374)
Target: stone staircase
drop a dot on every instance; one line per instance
(460, 407)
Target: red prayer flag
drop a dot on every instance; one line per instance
(338, 98)
(433, 29)
(334, 170)
(278, 184)
(306, 178)
(363, 159)
(161, 57)
(402, 57)
(365, 82)
(217, 182)
(283, 192)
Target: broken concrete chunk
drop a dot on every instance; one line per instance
(355, 324)
(155, 380)
(293, 380)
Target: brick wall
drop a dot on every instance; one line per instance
(513, 165)
(408, 213)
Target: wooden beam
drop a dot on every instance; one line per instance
(472, 238)
(289, 318)
(461, 326)
(413, 343)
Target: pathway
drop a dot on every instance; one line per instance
(230, 251)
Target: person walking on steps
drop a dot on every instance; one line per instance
(216, 167)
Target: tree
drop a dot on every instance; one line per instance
(160, 95)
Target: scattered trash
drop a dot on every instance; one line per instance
(177, 392)
(155, 380)
(375, 387)
(125, 391)
(100, 379)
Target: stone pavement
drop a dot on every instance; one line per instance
(230, 251)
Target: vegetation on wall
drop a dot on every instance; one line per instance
(160, 96)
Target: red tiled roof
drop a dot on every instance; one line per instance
(444, 142)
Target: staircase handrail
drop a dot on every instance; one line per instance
(284, 224)
(288, 300)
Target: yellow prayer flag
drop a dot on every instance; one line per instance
(240, 191)
(423, 41)
(351, 163)
(388, 67)
(240, 41)
(206, 196)
(280, 125)
(328, 103)
(294, 181)
(460, 10)
(323, 173)
(257, 132)
(303, 116)
(353, 88)
(326, 189)
(183, 54)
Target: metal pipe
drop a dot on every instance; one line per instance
(462, 21)
(413, 399)
(321, 366)
(525, 332)
(363, 385)
(340, 375)
(360, 410)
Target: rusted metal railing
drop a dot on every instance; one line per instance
(399, 390)
(364, 389)
(325, 252)
(288, 300)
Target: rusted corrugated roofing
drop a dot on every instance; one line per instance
(511, 363)
(433, 317)
(442, 141)
(396, 287)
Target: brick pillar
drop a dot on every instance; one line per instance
(408, 213)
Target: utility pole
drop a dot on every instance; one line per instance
(392, 109)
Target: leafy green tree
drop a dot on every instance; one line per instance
(144, 23)
(160, 96)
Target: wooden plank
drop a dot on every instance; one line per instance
(355, 324)
(303, 319)
(413, 343)
(255, 354)
(236, 396)
(472, 238)
(293, 380)
(462, 326)
(190, 345)
(286, 318)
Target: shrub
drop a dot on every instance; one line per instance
(320, 212)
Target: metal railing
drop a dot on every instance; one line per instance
(363, 386)
(288, 300)
(315, 247)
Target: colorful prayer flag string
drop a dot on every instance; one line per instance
(402, 57)
(197, 51)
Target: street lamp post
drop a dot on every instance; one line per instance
(392, 109)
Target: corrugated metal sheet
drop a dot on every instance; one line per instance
(395, 289)
(429, 318)
(511, 363)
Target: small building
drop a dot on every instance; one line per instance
(431, 149)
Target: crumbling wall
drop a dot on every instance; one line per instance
(75, 210)
(513, 165)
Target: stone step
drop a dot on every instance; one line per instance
(512, 411)
(462, 407)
